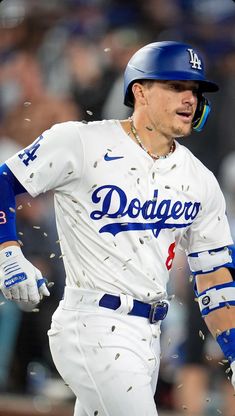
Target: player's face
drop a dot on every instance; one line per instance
(171, 106)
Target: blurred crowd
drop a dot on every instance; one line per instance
(64, 60)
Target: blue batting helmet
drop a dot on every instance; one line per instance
(170, 61)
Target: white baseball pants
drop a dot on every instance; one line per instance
(109, 359)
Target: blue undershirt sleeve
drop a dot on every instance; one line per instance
(9, 188)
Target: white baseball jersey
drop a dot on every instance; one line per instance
(119, 213)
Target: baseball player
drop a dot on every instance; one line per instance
(126, 194)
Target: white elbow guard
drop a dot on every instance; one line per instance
(209, 261)
(216, 297)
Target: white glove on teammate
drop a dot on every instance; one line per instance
(19, 279)
(232, 365)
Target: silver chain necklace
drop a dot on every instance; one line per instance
(139, 141)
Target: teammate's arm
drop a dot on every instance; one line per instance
(215, 288)
(19, 279)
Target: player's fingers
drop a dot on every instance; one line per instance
(15, 293)
(33, 294)
(43, 290)
(23, 292)
(6, 293)
(41, 284)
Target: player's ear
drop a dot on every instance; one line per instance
(138, 92)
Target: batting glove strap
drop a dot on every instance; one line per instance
(226, 341)
(19, 279)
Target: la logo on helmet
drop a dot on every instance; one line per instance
(195, 62)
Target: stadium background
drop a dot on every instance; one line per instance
(63, 60)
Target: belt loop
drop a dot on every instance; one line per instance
(127, 303)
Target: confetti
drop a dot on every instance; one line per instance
(96, 412)
(12, 209)
(117, 356)
(95, 164)
(27, 103)
(52, 255)
(37, 227)
(35, 310)
(201, 335)
(89, 112)
(113, 328)
(129, 389)
(107, 49)
(27, 119)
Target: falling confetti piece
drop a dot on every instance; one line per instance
(20, 233)
(2, 303)
(95, 164)
(45, 234)
(113, 328)
(201, 335)
(20, 207)
(179, 386)
(27, 103)
(167, 187)
(35, 310)
(27, 119)
(50, 284)
(52, 255)
(173, 166)
(12, 209)
(117, 356)
(141, 241)
(129, 389)
(89, 112)
(37, 227)
(107, 49)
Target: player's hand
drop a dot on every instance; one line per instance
(19, 279)
(233, 375)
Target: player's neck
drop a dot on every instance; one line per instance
(144, 134)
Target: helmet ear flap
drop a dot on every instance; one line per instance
(202, 112)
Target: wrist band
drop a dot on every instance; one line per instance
(226, 341)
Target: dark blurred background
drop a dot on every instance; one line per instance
(64, 60)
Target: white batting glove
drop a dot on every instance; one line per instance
(19, 279)
(232, 365)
